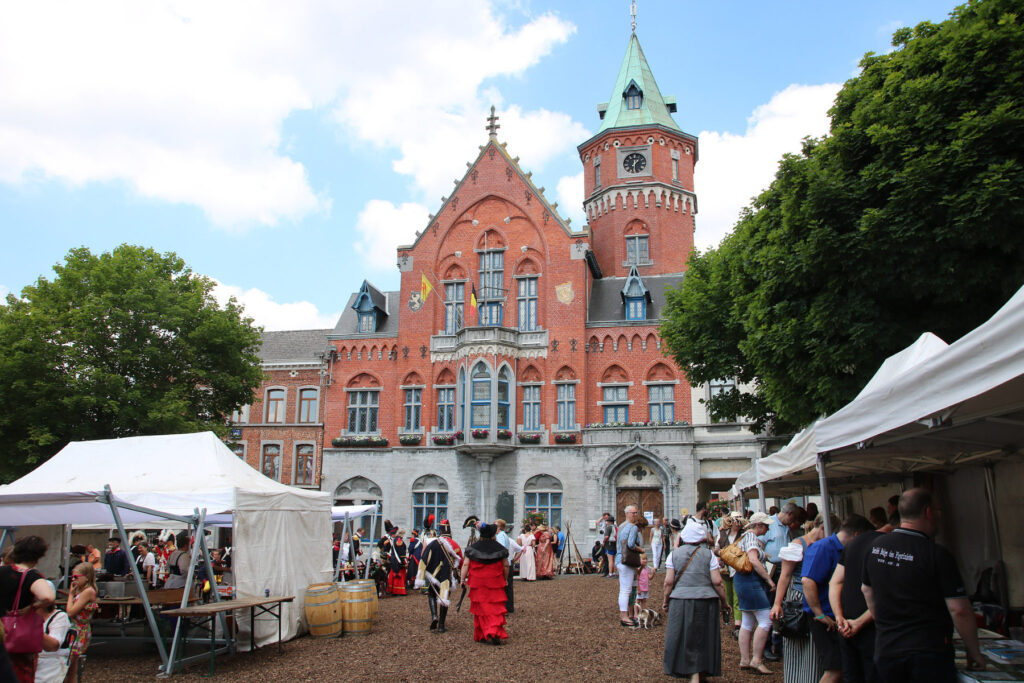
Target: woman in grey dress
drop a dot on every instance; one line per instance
(693, 645)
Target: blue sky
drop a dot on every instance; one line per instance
(285, 149)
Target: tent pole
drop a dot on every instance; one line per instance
(760, 498)
(147, 608)
(67, 557)
(208, 563)
(826, 508)
(197, 521)
(369, 548)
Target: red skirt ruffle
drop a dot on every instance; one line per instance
(487, 599)
(396, 582)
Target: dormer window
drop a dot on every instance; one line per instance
(635, 296)
(634, 97)
(370, 306)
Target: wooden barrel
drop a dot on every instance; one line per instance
(373, 594)
(323, 610)
(357, 600)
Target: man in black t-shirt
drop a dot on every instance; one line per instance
(914, 591)
(854, 620)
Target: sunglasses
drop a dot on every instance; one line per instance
(78, 576)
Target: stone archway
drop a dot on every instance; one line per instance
(638, 476)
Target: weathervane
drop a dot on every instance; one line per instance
(492, 124)
(632, 12)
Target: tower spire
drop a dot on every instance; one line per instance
(632, 13)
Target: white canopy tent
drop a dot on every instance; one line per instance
(956, 411)
(797, 460)
(281, 535)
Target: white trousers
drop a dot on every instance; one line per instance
(656, 555)
(626, 577)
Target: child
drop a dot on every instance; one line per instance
(80, 608)
(643, 585)
(52, 665)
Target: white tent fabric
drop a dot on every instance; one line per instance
(801, 452)
(282, 535)
(937, 392)
(340, 513)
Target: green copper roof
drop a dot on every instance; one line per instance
(654, 109)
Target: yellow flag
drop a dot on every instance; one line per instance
(425, 287)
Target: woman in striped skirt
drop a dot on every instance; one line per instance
(800, 662)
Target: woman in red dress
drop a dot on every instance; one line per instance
(485, 575)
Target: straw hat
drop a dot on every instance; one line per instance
(758, 518)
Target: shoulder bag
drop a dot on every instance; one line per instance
(23, 631)
(736, 558)
(630, 556)
(681, 572)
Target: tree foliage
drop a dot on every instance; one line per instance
(906, 218)
(121, 344)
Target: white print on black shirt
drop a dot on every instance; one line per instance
(892, 558)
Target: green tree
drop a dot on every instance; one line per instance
(906, 218)
(121, 344)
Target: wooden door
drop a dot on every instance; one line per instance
(646, 500)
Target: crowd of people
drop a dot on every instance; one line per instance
(875, 601)
(29, 601)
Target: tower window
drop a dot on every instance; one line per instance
(597, 175)
(675, 169)
(637, 252)
(634, 98)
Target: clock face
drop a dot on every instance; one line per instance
(634, 162)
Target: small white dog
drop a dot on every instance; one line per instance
(648, 618)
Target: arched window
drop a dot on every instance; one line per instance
(429, 496)
(361, 491)
(481, 401)
(543, 493)
(504, 381)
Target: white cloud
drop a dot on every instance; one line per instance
(184, 99)
(570, 199)
(735, 168)
(4, 291)
(261, 307)
(382, 226)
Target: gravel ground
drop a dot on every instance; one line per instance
(564, 627)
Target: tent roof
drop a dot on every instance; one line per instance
(800, 455)
(174, 473)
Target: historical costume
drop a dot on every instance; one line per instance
(438, 571)
(527, 560)
(415, 550)
(393, 552)
(485, 574)
(545, 553)
(514, 549)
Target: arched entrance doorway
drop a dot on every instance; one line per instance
(360, 491)
(638, 477)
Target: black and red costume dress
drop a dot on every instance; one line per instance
(394, 552)
(486, 582)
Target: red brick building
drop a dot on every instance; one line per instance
(552, 392)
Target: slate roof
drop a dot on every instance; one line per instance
(296, 346)
(606, 298)
(387, 325)
(655, 108)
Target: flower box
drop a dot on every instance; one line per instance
(565, 437)
(443, 439)
(359, 442)
(409, 439)
(480, 433)
(529, 438)
(504, 434)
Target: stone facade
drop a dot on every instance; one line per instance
(555, 392)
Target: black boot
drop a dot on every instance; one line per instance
(432, 603)
(440, 624)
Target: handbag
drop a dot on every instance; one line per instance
(736, 558)
(23, 631)
(794, 622)
(630, 557)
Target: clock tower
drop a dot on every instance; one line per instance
(638, 177)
